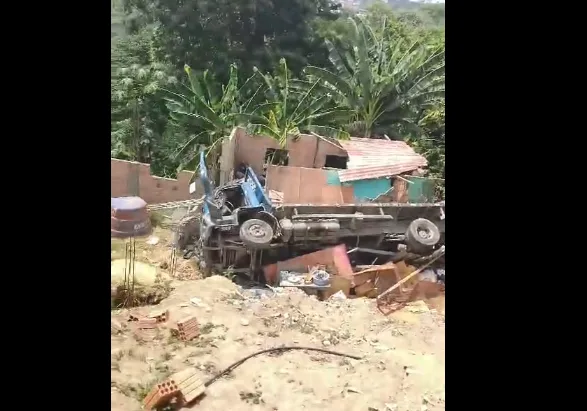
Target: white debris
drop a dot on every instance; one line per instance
(339, 295)
(153, 240)
(196, 301)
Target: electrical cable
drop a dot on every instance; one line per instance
(239, 362)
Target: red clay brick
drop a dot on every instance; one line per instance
(190, 328)
(187, 320)
(134, 317)
(189, 336)
(160, 315)
(193, 391)
(160, 394)
(189, 383)
(195, 331)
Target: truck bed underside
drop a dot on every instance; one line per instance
(397, 211)
(363, 220)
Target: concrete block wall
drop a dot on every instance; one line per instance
(129, 178)
(308, 151)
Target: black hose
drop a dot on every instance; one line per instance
(239, 362)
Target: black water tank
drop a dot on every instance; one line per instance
(129, 217)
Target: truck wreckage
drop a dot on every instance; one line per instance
(238, 228)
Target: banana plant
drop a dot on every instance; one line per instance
(293, 107)
(380, 81)
(207, 112)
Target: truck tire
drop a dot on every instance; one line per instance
(422, 236)
(256, 233)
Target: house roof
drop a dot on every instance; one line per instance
(374, 158)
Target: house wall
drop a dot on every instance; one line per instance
(301, 185)
(129, 178)
(400, 191)
(227, 162)
(365, 190)
(308, 151)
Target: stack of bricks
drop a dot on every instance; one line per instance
(188, 328)
(160, 395)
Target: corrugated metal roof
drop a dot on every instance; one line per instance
(375, 158)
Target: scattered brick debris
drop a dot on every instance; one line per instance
(147, 323)
(160, 315)
(134, 317)
(184, 386)
(160, 395)
(190, 386)
(187, 329)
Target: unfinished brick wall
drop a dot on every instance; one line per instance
(301, 185)
(308, 151)
(129, 178)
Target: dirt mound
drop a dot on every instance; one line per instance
(402, 367)
(157, 251)
(150, 284)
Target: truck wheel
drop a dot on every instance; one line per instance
(422, 235)
(256, 233)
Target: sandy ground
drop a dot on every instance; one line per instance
(403, 354)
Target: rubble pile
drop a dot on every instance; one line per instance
(328, 274)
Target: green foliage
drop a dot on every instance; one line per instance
(138, 115)
(272, 105)
(277, 67)
(431, 143)
(206, 34)
(293, 108)
(205, 112)
(381, 79)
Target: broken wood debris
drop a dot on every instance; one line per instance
(397, 280)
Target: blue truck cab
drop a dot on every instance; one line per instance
(240, 210)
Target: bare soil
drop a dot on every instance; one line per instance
(403, 354)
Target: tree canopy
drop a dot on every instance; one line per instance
(185, 72)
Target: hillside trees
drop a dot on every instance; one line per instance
(206, 34)
(382, 80)
(186, 72)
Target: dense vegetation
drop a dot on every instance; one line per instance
(184, 73)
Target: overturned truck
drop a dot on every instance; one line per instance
(238, 227)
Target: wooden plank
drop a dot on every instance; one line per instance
(364, 289)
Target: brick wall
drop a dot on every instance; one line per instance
(128, 178)
(308, 151)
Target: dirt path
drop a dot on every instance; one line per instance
(402, 367)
